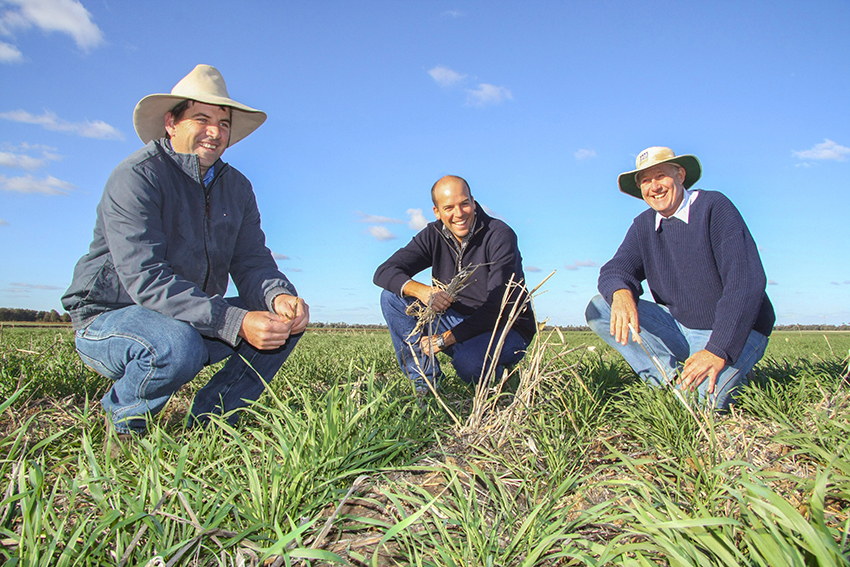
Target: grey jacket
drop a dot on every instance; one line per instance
(164, 241)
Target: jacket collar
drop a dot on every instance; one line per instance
(189, 163)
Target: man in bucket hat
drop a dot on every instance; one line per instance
(174, 222)
(711, 318)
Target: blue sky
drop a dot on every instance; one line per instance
(539, 105)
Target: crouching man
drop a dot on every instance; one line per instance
(462, 236)
(711, 318)
(173, 223)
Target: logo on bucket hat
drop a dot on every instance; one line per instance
(657, 155)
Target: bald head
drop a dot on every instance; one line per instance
(449, 184)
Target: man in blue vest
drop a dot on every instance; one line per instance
(711, 318)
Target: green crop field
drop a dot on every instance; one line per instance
(571, 462)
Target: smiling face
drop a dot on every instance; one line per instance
(453, 204)
(203, 130)
(662, 187)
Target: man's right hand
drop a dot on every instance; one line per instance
(438, 299)
(623, 313)
(265, 330)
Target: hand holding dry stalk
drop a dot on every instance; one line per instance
(294, 309)
(428, 343)
(439, 300)
(426, 311)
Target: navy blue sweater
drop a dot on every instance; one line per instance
(493, 244)
(707, 272)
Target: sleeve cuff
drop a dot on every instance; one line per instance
(272, 294)
(233, 318)
(716, 351)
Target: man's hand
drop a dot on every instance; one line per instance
(428, 343)
(623, 313)
(295, 309)
(438, 299)
(699, 366)
(267, 331)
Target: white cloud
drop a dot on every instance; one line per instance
(3, 223)
(532, 269)
(452, 14)
(9, 53)
(381, 233)
(487, 94)
(17, 156)
(772, 282)
(28, 184)
(581, 264)
(584, 154)
(63, 16)
(20, 161)
(417, 220)
(49, 121)
(34, 286)
(278, 256)
(374, 219)
(828, 150)
(446, 77)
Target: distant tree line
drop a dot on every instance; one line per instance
(33, 316)
(320, 325)
(844, 327)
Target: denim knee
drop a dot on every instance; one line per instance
(598, 314)
(468, 368)
(184, 354)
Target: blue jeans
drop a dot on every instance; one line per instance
(468, 357)
(150, 356)
(672, 343)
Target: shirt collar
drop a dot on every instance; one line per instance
(683, 212)
(209, 175)
(451, 237)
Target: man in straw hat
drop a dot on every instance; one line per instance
(173, 223)
(711, 317)
(463, 236)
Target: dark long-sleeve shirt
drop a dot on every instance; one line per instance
(707, 272)
(493, 245)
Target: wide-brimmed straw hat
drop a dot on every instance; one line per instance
(204, 84)
(654, 156)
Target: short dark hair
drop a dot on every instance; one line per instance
(180, 109)
(434, 187)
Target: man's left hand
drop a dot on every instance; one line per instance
(428, 343)
(700, 366)
(294, 309)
